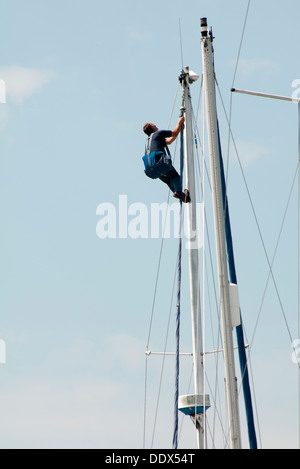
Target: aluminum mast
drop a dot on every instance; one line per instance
(219, 222)
(196, 404)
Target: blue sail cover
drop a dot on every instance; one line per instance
(239, 329)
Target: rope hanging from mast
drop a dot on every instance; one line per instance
(176, 396)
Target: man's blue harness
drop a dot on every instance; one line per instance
(157, 163)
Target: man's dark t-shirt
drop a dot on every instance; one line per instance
(158, 142)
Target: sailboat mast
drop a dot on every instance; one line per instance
(220, 238)
(193, 252)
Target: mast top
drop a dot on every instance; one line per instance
(204, 28)
(189, 75)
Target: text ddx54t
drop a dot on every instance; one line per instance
(151, 458)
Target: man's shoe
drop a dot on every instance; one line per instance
(183, 196)
(187, 196)
(179, 195)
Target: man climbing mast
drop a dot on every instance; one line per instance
(157, 159)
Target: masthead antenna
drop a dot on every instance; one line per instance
(180, 38)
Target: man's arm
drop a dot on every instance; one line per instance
(176, 131)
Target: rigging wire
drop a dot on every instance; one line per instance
(272, 262)
(256, 218)
(180, 39)
(173, 106)
(163, 363)
(233, 81)
(241, 43)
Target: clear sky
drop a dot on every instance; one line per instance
(82, 77)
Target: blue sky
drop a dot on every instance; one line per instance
(81, 80)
